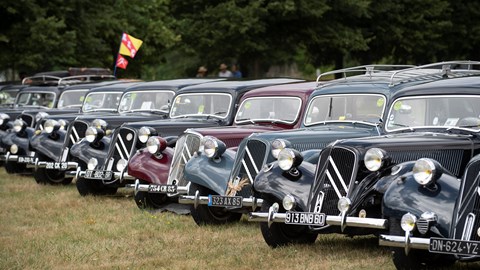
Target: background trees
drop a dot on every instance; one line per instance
(179, 36)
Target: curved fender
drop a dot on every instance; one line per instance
(400, 169)
(150, 168)
(212, 174)
(45, 145)
(311, 156)
(23, 143)
(406, 195)
(84, 151)
(277, 183)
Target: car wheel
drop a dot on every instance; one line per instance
(281, 234)
(92, 187)
(204, 215)
(52, 177)
(14, 167)
(145, 200)
(416, 259)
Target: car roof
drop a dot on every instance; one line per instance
(91, 85)
(469, 85)
(288, 89)
(170, 84)
(117, 87)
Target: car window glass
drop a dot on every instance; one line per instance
(366, 108)
(284, 109)
(7, 97)
(212, 104)
(145, 100)
(37, 99)
(98, 101)
(71, 98)
(435, 111)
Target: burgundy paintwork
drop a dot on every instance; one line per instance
(152, 170)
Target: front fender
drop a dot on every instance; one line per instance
(276, 183)
(23, 141)
(311, 156)
(383, 183)
(149, 168)
(83, 151)
(48, 145)
(405, 195)
(212, 174)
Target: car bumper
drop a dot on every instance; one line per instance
(404, 242)
(51, 165)
(116, 176)
(162, 189)
(196, 200)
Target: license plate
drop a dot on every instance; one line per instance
(305, 218)
(225, 201)
(101, 175)
(162, 188)
(56, 165)
(452, 246)
(26, 160)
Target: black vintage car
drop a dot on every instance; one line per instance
(432, 204)
(223, 185)
(104, 163)
(432, 120)
(108, 107)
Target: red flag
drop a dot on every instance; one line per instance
(122, 62)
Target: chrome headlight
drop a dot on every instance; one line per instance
(63, 124)
(40, 115)
(51, 125)
(92, 163)
(278, 145)
(288, 202)
(289, 158)
(426, 171)
(213, 147)
(121, 165)
(155, 145)
(144, 133)
(344, 204)
(19, 125)
(4, 118)
(99, 123)
(14, 149)
(374, 159)
(408, 222)
(94, 134)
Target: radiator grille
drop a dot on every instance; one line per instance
(470, 202)
(76, 132)
(450, 159)
(186, 146)
(124, 145)
(308, 146)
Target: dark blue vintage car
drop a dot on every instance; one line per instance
(104, 163)
(435, 119)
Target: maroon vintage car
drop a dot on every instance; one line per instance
(159, 168)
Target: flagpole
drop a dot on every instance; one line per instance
(116, 57)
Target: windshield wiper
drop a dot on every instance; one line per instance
(402, 125)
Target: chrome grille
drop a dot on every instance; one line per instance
(469, 207)
(124, 145)
(422, 225)
(450, 159)
(186, 146)
(27, 118)
(76, 132)
(309, 146)
(252, 160)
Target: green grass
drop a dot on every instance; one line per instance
(53, 227)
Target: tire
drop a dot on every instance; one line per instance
(52, 177)
(145, 200)
(416, 259)
(204, 215)
(92, 187)
(14, 167)
(281, 234)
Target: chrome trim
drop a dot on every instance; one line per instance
(337, 172)
(203, 200)
(252, 160)
(468, 227)
(399, 241)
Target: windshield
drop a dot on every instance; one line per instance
(7, 97)
(334, 108)
(102, 101)
(36, 99)
(271, 109)
(435, 111)
(71, 98)
(146, 101)
(201, 104)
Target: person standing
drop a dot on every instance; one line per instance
(236, 73)
(224, 72)
(202, 72)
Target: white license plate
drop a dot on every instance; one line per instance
(452, 246)
(26, 160)
(225, 201)
(162, 188)
(100, 175)
(56, 165)
(305, 218)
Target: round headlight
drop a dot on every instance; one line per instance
(212, 147)
(426, 171)
(156, 145)
(40, 115)
(278, 145)
(63, 124)
(374, 159)
(408, 222)
(50, 125)
(121, 164)
(144, 133)
(4, 118)
(289, 158)
(344, 204)
(99, 123)
(92, 164)
(14, 149)
(288, 202)
(91, 134)
(18, 125)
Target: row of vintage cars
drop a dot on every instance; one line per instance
(389, 150)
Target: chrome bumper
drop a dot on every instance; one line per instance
(198, 200)
(403, 242)
(146, 188)
(9, 157)
(43, 164)
(121, 176)
(274, 216)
